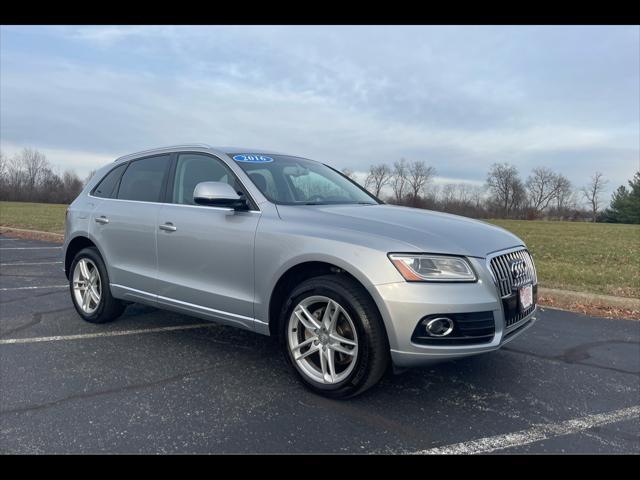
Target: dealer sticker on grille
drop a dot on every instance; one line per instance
(526, 296)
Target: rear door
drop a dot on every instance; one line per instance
(125, 227)
(205, 254)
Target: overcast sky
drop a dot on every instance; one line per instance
(459, 98)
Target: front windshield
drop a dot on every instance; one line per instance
(295, 181)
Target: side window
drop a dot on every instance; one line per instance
(143, 179)
(193, 168)
(105, 188)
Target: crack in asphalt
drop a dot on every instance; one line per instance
(36, 318)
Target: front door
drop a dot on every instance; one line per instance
(205, 254)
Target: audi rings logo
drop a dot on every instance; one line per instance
(518, 270)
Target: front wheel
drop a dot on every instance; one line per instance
(89, 285)
(333, 336)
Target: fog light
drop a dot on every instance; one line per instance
(439, 327)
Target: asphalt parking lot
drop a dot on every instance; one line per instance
(159, 382)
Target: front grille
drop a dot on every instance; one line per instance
(501, 266)
(469, 329)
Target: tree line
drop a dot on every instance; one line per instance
(544, 194)
(29, 177)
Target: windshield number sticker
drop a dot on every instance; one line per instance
(252, 158)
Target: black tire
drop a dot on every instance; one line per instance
(373, 356)
(109, 308)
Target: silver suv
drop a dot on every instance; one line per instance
(285, 246)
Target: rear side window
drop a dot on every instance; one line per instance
(144, 179)
(106, 187)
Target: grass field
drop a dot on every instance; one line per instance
(584, 257)
(48, 217)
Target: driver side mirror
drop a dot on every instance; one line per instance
(218, 194)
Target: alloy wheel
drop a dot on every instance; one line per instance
(87, 287)
(322, 339)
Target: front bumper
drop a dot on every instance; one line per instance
(403, 304)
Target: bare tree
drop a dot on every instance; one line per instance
(72, 186)
(377, 178)
(458, 193)
(419, 176)
(4, 173)
(14, 180)
(4, 161)
(399, 179)
(592, 192)
(506, 187)
(542, 187)
(50, 188)
(447, 196)
(564, 198)
(564, 190)
(35, 167)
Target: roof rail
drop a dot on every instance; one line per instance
(160, 149)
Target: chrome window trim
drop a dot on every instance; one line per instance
(175, 204)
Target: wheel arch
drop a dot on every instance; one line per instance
(76, 244)
(303, 270)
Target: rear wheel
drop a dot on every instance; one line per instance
(333, 336)
(89, 286)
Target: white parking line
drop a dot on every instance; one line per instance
(30, 248)
(536, 433)
(8, 239)
(27, 263)
(9, 341)
(7, 289)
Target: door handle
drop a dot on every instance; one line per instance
(168, 227)
(102, 219)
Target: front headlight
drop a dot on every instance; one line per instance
(432, 268)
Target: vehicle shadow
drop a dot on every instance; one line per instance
(470, 376)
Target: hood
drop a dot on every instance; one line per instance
(424, 230)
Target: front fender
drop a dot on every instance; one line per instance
(278, 250)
